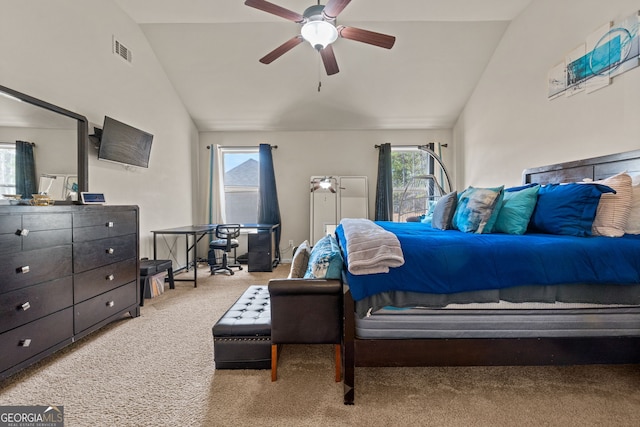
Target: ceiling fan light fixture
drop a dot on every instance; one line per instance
(319, 34)
(325, 183)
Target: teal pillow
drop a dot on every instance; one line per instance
(325, 260)
(475, 207)
(515, 212)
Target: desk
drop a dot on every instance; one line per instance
(193, 234)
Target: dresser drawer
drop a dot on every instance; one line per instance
(98, 225)
(46, 221)
(99, 308)
(32, 267)
(89, 255)
(102, 279)
(34, 231)
(33, 302)
(33, 338)
(10, 243)
(10, 223)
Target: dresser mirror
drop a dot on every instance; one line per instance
(59, 140)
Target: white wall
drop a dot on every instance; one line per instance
(60, 51)
(508, 124)
(301, 155)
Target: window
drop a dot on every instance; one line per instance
(7, 168)
(418, 182)
(239, 177)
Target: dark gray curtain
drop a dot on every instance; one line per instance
(268, 208)
(384, 185)
(25, 170)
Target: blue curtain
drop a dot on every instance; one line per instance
(25, 170)
(384, 187)
(268, 208)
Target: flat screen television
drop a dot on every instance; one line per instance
(124, 144)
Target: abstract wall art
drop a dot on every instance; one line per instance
(608, 52)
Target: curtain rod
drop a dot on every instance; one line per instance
(33, 144)
(241, 147)
(417, 146)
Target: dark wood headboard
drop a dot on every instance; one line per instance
(595, 168)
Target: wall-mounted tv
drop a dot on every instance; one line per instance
(124, 144)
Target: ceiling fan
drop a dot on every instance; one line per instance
(320, 30)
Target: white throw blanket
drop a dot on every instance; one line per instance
(370, 248)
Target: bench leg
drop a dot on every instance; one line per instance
(274, 362)
(172, 284)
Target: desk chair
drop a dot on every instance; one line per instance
(226, 239)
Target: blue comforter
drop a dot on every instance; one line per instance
(450, 261)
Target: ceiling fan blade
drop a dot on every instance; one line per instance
(329, 60)
(334, 7)
(281, 50)
(274, 9)
(366, 36)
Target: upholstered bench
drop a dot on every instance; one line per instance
(242, 336)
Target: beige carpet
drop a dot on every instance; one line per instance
(157, 370)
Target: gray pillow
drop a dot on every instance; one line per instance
(444, 210)
(300, 261)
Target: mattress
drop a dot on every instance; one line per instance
(501, 320)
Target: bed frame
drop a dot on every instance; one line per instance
(359, 352)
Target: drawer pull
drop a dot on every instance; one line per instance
(109, 224)
(26, 306)
(25, 342)
(110, 277)
(22, 232)
(110, 250)
(110, 303)
(24, 269)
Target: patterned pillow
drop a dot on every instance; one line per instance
(325, 260)
(475, 207)
(300, 261)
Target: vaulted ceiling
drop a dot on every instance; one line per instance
(210, 50)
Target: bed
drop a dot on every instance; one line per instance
(534, 319)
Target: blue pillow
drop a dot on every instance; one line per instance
(567, 208)
(325, 260)
(516, 210)
(475, 207)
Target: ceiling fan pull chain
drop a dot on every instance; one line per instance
(319, 73)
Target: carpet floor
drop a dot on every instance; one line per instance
(158, 370)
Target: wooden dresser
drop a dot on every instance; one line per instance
(65, 271)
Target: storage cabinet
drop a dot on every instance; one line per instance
(262, 251)
(65, 271)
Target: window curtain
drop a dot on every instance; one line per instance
(384, 187)
(268, 208)
(25, 170)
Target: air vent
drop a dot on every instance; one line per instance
(122, 51)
